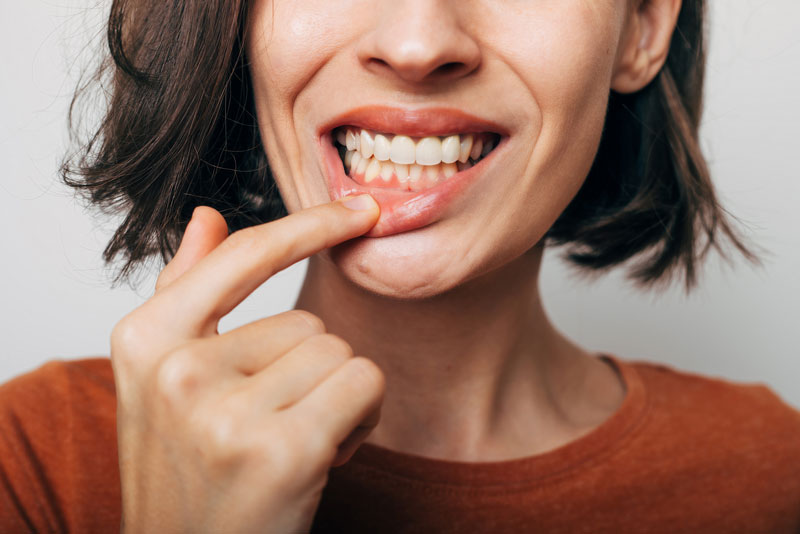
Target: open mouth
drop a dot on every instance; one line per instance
(404, 163)
(416, 163)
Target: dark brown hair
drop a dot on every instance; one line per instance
(180, 131)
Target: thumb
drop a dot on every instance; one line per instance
(205, 231)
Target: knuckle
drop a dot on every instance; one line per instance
(333, 344)
(125, 334)
(320, 448)
(129, 343)
(179, 375)
(308, 320)
(241, 237)
(222, 439)
(302, 451)
(283, 459)
(367, 375)
(243, 241)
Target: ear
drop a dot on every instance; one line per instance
(644, 44)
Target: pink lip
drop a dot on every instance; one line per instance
(402, 211)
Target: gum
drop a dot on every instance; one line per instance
(424, 181)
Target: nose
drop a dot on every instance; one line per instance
(418, 41)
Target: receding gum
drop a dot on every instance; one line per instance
(425, 181)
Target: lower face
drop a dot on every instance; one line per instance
(470, 167)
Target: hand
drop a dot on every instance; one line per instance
(236, 432)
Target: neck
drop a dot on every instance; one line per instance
(475, 373)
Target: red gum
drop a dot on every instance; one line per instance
(393, 182)
(403, 211)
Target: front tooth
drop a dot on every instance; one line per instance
(350, 140)
(387, 170)
(373, 169)
(381, 148)
(429, 151)
(451, 149)
(414, 172)
(401, 171)
(402, 150)
(341, 137)
(367, 144)
(449, 169)
(355, 159)
(465, 148)
(477, 146)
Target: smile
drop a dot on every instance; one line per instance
(407, 163)
(417, 164)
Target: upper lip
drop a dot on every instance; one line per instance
(421, 122)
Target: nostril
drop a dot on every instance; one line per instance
(378, 62)
(449, 68)
(418, 71)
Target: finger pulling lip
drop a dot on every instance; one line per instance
(401, 211)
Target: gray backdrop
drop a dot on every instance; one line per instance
(741, 324)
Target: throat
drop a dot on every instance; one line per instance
(462, 369)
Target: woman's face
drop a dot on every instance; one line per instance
(531, 77)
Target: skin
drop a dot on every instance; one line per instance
(458, 283)
(432, 342)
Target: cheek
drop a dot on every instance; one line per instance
(288, 41)
(563, 52)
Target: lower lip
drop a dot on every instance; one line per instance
(401, 211)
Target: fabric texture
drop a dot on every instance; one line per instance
(683, 453)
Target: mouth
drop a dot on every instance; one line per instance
(401, 162)
(414, 163)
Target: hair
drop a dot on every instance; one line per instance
(180, 130)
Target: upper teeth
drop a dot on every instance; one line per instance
(404, 150)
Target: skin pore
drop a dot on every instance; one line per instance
(451, 311)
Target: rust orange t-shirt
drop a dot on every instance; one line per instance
(683, 453)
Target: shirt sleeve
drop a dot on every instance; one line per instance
(58, 465)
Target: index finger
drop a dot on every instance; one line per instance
(249, 257)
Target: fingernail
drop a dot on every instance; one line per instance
(360, 202)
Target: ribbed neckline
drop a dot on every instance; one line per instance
(607, 436)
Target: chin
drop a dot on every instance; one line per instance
(401, 266)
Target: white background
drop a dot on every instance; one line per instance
(741, 324)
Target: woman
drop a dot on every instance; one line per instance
(419, 385)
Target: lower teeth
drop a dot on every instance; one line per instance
(409, 177)
(388, 174)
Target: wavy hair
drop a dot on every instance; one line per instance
(179, 130)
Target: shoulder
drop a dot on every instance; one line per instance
(744, 429)
(58, 389)
(688, 395)
(58, 450)
(91, 372)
